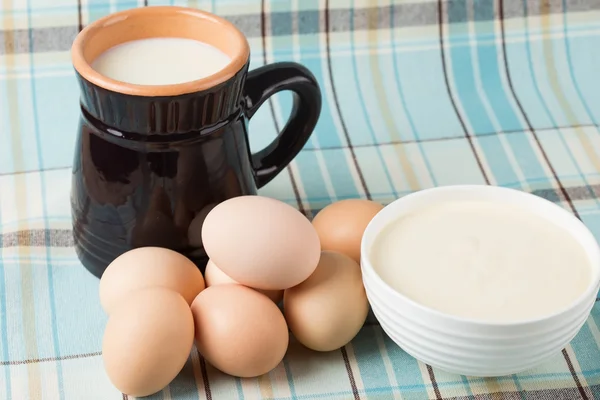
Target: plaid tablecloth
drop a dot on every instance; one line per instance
(416, 94)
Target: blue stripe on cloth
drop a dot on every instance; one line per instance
(370, 359)
(97, 9)
(587, 356)
(428, 101)
(521, 71)
(49, 266)
(56, 122)
(497, 93)
(463, 73)
(359, 127)
(261, 129)
(327, 134)
(489, 67)
(125, 5)
(307, 162)
(77, 308)
(240, 390)
(407, 372)
(467, 386)
(290, 377)
(184, 386)
(471, 101)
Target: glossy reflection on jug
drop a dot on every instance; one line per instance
(124, 198)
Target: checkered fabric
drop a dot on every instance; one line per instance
(417, 93)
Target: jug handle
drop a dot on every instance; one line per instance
(264, 82)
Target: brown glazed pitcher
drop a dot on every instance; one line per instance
(151, 161)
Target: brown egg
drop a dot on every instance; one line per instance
(148, 267)
(341, 225)
(214, 276)
(261, 242)
(327, 310)
(147, 341)
(239, 331)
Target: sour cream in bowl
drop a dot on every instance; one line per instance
(479, 280)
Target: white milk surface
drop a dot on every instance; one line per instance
(160, 61)
(482, 261)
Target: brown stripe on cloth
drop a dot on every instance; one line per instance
(361, 176)
(467, 135)
(580, 387)
(406, 14)
(37, 238)
(28, 171)
(494, 389)
(52, 359)
(350, 374)
(436, 389)
(263, 30)
(205, 379)
(79, 16)
(64, 238)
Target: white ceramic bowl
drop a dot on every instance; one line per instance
(471, 347)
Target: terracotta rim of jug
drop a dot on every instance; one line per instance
(159, 21)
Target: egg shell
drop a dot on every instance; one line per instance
(341, 225)
(147, 341)
(214, 276)
(261, 242)
(326, 311)
(148, 267)
(239, 331)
